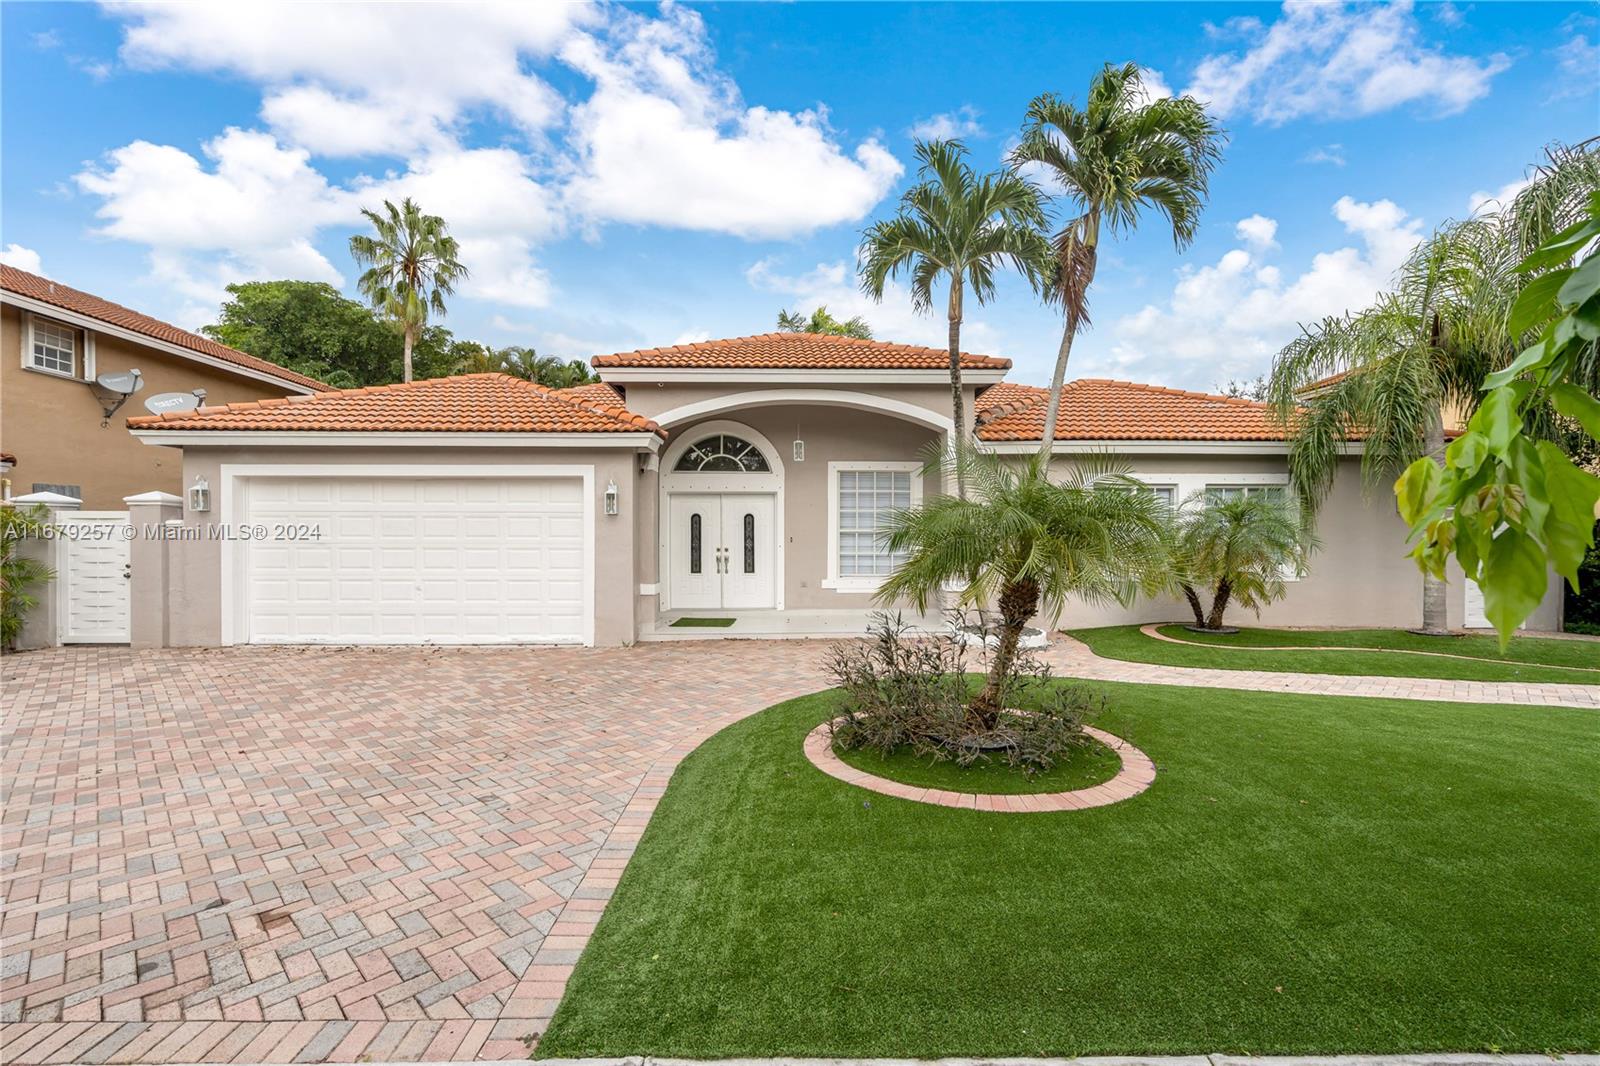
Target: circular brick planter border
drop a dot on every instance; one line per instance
(1136, 775)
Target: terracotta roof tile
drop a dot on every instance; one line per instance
(469, 403)
(69, 299)
(594, 392)
(1098, 409)
(797, 351)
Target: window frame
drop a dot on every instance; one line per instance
(82, 349)
(861, 582)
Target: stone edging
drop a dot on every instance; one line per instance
(1152, 630)
(1136, 775)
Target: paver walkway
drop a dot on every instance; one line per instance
(1069, 656)
(285, 854)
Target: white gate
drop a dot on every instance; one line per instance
(93, 576)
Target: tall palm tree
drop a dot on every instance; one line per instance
(411, 267)
(1116, 157)
(1389, 374)
(1027, 542)
(961, 228)
(822, 322)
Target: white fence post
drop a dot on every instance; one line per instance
(149, 561)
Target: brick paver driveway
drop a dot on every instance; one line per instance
(294, 855)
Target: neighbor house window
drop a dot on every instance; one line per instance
(1166, 494)
(54, 348)
(863, 498)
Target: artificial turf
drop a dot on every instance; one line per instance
(1080, 768)
(1371, 652)
(1306, 875)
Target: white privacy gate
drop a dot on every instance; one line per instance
(92, 576)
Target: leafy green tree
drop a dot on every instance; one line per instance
(308, 327)
(1506, 504)
(19, 574)
(822, 322)
(524, 363)
(1118, 156)
(1237, 548)
(1026, 542)
(412, 266)
(1388, 374)
(960, 228)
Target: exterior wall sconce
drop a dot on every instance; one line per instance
(611, 497)
(200, 495)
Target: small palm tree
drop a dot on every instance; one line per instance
(1239, 547)
(1026, 542)
(961, 228)
(1119, 155)
(411, 267)
(19, 573)
(822, 322)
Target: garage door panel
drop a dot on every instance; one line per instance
(470, 560)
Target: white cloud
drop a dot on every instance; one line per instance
(962, 122)
(15, 255)
(1257, 231)
(1154, 86)
(1577, 59)
(833, 285)
(343, 80)
(665, 140)
(1501, 197)
(1332, 154)
(1228, 319)
(1330, 60)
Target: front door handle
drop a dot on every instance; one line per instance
(127, 571)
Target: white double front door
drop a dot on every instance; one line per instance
(721, 550)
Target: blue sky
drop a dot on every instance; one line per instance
(627, 176)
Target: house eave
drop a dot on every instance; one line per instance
(665, 375)
(233, 438)
(1153, 447)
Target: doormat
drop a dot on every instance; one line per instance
(703, 623)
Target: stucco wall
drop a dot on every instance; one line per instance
(52, 424)
(195, 601)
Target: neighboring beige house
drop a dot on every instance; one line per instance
(61, 431)
(742, 479)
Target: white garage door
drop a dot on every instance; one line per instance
(415, 560)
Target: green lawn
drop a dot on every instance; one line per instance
(1082, 768)
(1468, 658)
(1307, 874)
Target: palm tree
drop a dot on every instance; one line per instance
(1388, 374)
(1120, 154)
(959, 227)
(1026, 542)
(411, 268)
(822, 322)
(1239, 546)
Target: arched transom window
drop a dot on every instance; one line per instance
(723, 453)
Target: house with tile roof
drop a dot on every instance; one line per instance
(64, 432)
(741, 480)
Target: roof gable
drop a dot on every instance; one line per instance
(796, 351)
(468, 403)
(55, 294)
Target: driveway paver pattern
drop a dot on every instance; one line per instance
(295, 854)
(321, 854)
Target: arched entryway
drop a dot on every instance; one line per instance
(721, 520)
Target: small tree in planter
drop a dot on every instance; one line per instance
(1237, 548)
(19, 574)
(1023, 542)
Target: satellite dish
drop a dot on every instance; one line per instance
(126, 384)
(163, 402)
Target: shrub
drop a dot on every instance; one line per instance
(1583, 608)
(904, 691)
(18, 575)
